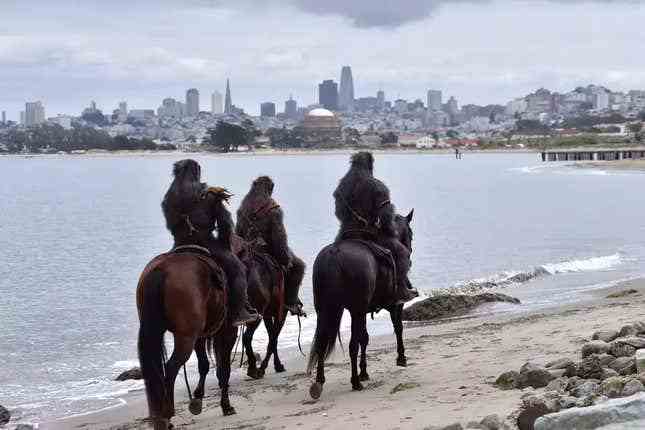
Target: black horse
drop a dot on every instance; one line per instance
(346, 276)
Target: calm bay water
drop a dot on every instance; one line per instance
(75, 233)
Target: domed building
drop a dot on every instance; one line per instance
(321, 128)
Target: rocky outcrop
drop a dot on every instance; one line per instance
(134, 373)
(534, 376)
(444, 306)
(605, 335)
(5, 416)
(612, 412)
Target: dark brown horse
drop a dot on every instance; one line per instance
(347, 275)
(184, 293)
(265, 279)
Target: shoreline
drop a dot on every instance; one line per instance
(614, 165)
(452, 364)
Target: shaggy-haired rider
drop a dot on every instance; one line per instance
(260, 218)
(365, 211)
(193, 211)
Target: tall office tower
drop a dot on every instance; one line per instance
(192, 102)
(228, 101)
(123, 108)
(267, 109)
(434, 100)
(346, 95)
(328, 94)
(380, 99)
(34, 113)
(217, 102)
(291, 108)
(4, 117)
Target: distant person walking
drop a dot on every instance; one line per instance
(457, 154)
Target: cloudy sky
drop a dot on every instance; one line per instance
(67, 52)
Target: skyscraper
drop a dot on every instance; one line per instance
(123, 108)
(228, 101)
(328, 94)
(434, 100)
(346, 96)
(4, 117)
(217, 102)
(380, 99)
(291, 108)
(34, 113)
(267, 109)
(453, 106)
(192, 102)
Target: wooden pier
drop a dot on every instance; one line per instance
(594, 155)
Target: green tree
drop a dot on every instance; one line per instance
(352, 136)
(452, 134)
(227, 137)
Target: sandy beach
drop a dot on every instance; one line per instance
(627, 165)
(452, 367)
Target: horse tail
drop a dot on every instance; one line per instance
(152, 351)
(328, 317)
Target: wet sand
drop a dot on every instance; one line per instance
(627, 165)
(452, 366)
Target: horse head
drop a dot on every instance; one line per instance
(402, 225)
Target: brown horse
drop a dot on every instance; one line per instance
(266, 293)
(184, 293)
(347, 275)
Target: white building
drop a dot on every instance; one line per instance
(34, 113)
(434, 100)
(601, 100)
(64, 121)
(517, 106)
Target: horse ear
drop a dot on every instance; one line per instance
(409, 217)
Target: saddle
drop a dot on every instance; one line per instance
(256, 250)
(386, 284)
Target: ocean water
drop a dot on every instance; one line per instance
(75, 232)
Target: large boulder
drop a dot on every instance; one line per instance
(626, 346)
(628, 330)
(632, 386)
(586, 389)
(569, 367)
(605, 335)
(134, 373)
(534, 376)
(640, 360)
(612, 412)
(5, 416)
(559, 385)
(536, 406)
(595, 347)
(443, 306)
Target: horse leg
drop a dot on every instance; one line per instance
(396, 315)
(268, 323)
(359, 327)
(247, 342)
(180, 354)
(277, 364)
(363, 376)
(195, 405)
(327, 326)
(223, 354)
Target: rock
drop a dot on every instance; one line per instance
(624, 365)
(534, 407)
(493, 422)
(567, 402)
(612, 387)
(640, 326)
(455, 426)
(623, 293)
(595, 347)
(632, 386)
(605, 359)
(559, 385)
(5, 416)
(587, 388)
(558, 373)
(585, 402)
(534, 376)
(561, 363)
(404, 386)
(608, 373)
(640, 360)
(574, 381)
(628, 330)
(626, 346)
(134, 373)
(508, 380)
(24, 427)
(590, 368)
(611, 412)
(443, 306)
(605, 335)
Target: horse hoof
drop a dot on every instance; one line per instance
(253, 373)
(357, 386)
(229, 411)
(316, 390)
(195, 406)
(402, 362)
(161, 424)
(280, 368)
(364, 377)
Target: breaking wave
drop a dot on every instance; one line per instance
(505, 279)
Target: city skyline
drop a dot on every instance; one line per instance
(67, 60)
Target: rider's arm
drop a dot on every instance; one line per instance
(279, 246)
